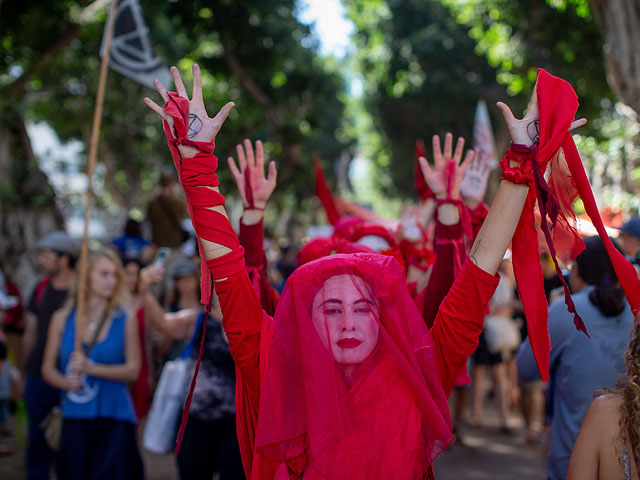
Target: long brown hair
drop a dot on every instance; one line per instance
(628, 387)
(118, 299)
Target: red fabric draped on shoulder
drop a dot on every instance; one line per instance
(389, 417)
(557, 104)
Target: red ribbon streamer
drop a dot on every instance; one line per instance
(558, 104)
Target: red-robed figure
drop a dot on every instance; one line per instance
(345, 380)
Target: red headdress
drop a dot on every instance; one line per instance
(325, 246)
(353, 228)
(389, 419)
(557, 103)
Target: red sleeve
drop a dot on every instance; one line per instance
(460, 321)
(242, 318)
(450, 250)
(252, 240)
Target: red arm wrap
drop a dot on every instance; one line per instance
(196, 174)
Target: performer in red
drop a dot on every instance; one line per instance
(255, 189)
(346, 381)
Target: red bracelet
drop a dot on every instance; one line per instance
(523, 173)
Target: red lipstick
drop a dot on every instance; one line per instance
(349, 342)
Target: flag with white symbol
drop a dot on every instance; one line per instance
(483, 141)
(131, 50)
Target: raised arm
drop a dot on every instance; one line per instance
(255, 189)
(495, 235)
(444, 179)
(460, 316)
(179, 325)
(190, 134)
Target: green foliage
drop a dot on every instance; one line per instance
(612, 160)
(518, 36)
(298, 107)
(422, 78)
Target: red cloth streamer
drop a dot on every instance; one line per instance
(558, 104)
(324, 194)
(196, 175)
(424, 192)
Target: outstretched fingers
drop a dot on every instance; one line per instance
(234, 169)
(468, 159)
(581, 122)
(242, 160)
(259, 156)
(156, 108)
(248, 148)
(177, 80)
(448, 146)
(222, 115)
(425, 167)
(161, 90)
(437, 152)
(457, 155)
(507, 114)
(273, 175)
(197, 82)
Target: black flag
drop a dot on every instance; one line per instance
(131, 51)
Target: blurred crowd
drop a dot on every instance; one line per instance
(147, 290)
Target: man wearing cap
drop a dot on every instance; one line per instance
(57, 253)
(630, 239)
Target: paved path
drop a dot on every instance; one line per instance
(487, 454)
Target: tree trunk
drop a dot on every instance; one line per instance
(27, 205)
(619, 22)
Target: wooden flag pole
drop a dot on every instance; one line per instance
(93, 153)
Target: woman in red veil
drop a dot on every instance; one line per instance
(345, 381)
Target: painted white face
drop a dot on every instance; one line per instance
(345, 315)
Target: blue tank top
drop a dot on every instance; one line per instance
(98, 398)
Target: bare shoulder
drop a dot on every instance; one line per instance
(603, 421)
(59, 319)
(595, 453)
(606, 407)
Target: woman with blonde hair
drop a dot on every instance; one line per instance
(98, 433)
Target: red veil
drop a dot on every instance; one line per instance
(390, 420)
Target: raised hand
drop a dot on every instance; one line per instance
(149, 275)
(474, 180)
(201, 127)
(442, 179)
(250, 178)
(526, 130)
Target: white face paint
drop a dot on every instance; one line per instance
(345, 315)
(374, 242)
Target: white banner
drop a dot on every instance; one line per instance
(483, 141)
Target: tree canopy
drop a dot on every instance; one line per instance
(283, 90)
